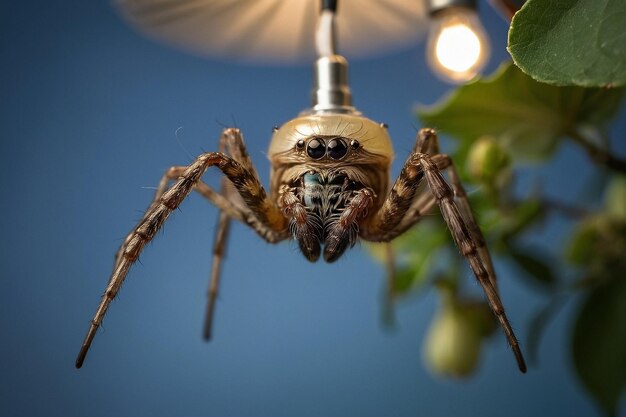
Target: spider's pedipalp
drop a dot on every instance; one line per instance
(343, 232)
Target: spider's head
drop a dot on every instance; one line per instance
(331, 139)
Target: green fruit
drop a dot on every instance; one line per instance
(615, 198)
(583, 243)
(453, 342)
(487, 161)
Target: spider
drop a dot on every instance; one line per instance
(329, 186)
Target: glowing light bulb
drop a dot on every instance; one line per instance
(458, 47)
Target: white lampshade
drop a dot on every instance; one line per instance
(276, 31)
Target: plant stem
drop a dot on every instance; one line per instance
(567, 210)
(506, 7)
(598, 155)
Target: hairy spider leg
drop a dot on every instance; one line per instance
(395, 206)
(407, 202)
(428, 143)
(269, 217)
(399, 202)
(232, 144)
(468, 246)
(219, 251)
(220, 242)
(240, 213)
(466, 212)
(422, 204)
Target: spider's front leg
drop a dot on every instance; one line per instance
(232, 143)
(399, 212)
(247, 184)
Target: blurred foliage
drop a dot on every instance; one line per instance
(571, 42)
(528, 118)
(598, 247)
(500, 123)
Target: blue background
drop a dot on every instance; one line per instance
(88, 121)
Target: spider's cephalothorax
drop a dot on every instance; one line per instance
(328, 173)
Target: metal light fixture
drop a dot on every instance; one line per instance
(331, 92)
(458, 46)
(281, 32)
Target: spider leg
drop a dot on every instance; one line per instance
(243, 214)
(223, 203)
(467, 244)
(248, 186)
(421, 206)
(390, 266)
(427, 143)
(422, 202)
(171, 173)
(403, 207)
(231, 142)
(219, 249)
(390, 290)
(444, 161)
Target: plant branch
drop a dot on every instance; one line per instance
(598, 155)
(567, 210)
(507, 8)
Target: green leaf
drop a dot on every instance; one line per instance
(535, 266)
(571, 42)
(516, 220)
(407, 278)
(538, 324)
(526, 117)
(598, 245)
(415, 255)
(599, 343)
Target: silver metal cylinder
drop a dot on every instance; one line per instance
(331, 92)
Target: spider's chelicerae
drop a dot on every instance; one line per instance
(329, 186)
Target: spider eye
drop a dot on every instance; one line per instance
(316, 148)
(300, 144)
(337, 148)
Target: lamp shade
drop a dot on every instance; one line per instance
(276, 31)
